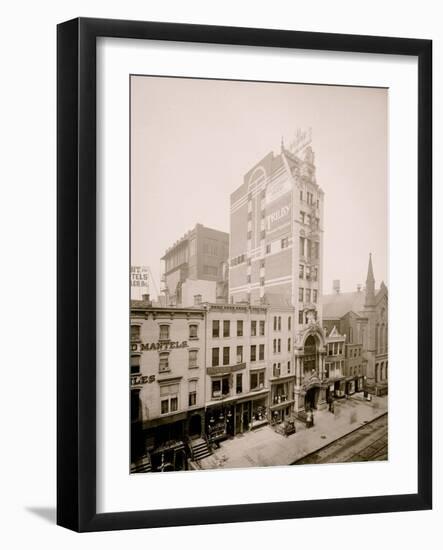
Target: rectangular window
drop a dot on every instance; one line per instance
(300, 317)
(215, 329)
(301, 195)
(253, 353)
(302, 216)
(285, 242)
(289, 367)
(289, 322)
(226, 355)
(253, 328)
(314, 296)
(274, 345)
(193, 358)
(300, 294)
(279, 323)
(215, 357)
(164, 332)
(249, 235)
(239, 383)
(301, 271)
(192, 396)
(279, 345)
(257, 380)
(261, 352)
(216, 388)
(164, 362)
(302, 246)
(239, 328)
(135, 332)
(268, 249)
(276, 369)
(135, 364)
(262, 281)
(239, 354)
(262, 234)
(193, 332)
(308, 295)
(275, 323)
(289, 344)
(248, 279)
(169, 398)
(226, 328)
(262, 328)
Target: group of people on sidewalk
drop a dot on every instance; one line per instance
(310, 413)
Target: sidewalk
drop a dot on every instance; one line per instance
(265, 447)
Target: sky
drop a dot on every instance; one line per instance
(192, 141)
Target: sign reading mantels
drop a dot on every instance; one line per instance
(164, 345)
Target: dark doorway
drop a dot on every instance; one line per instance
(195, 426)
(311, 398)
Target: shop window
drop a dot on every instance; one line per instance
(239, 328)
(193, 358)
(193, 332)
(253, 353)
(163, 362)
(215, 357)
(215, 329)
(239, 383)
(239, 354)
(226, 355)
(135, 333)
(226, 328)
(164, 332)
(262, 328)
(253, 328)
(192, 395)
(261, 352)
(135, 364)
(257, 380)
(169, 398)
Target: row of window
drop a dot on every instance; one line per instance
(308, 219)
(303, 317)
(164, 332)
(309, 249)
(309, 198)
(277, 323)
(226, 354)
(356, 352)
(310, 273)
(305, 295)
(255, 326)
(277, 369)
(276, 345)
(335, 348)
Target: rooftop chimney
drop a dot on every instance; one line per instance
(336, 286)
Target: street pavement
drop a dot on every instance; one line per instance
(265, 447)
(369, 442)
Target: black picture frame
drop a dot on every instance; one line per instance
(76, 264)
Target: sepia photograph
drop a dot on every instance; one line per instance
(258, 274)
